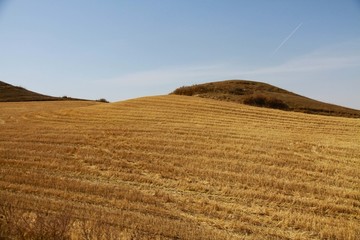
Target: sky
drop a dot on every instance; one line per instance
(122, 49)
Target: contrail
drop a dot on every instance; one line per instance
(287, 38)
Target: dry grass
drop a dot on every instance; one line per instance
(176, 167)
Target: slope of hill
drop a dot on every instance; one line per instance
(264, 95)
(10, 93)
(177, 167)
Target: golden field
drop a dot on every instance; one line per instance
(177, 167)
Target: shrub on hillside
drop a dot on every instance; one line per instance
(193, 90)
(103, 100)
(210, 88)
(263, 101)
(187, 91)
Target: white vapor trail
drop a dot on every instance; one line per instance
(287, 38)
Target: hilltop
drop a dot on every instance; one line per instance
(176, 167)
(264, 95)
(10, 93)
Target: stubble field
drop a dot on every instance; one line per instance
(176, 167)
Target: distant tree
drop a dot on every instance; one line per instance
(102, 100)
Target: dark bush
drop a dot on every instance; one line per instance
(102, 100)
(259, 101)
(199, 89)
(262, 101)
(277, 104)
(188, 91)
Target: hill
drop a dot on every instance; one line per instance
(10, 93)
(176, 167)
(264, 95)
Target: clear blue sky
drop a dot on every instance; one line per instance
(120, 49)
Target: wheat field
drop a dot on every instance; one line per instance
(177, 167)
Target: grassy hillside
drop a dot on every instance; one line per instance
(177, 167)
(264, 95)
(10, 93)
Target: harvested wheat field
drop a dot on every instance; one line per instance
(176, 167)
